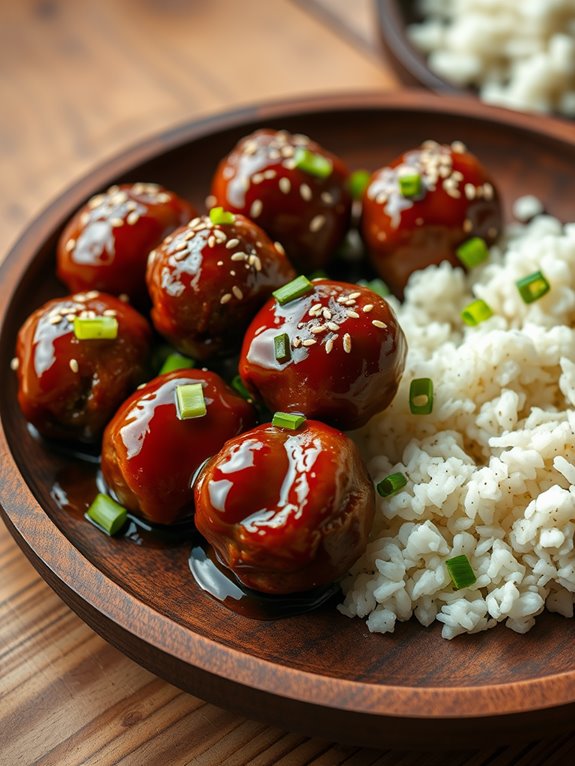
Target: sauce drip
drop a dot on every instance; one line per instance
(220, 583)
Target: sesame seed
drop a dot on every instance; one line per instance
(250, 147)
(378, 323)
(74, 366)
(210, 201)
(231, 243)
(367, 308)
(296, 343)
(115, 222)
(70, 245)
(194, 222)
(255, 261)
(309, 342)
(239, 257)
(269, 174)
(329, 345)
(285, 185)
(124, 297)
(14, 364)
(179, 247)
(381, 198)
(315, 310)
(96, 201)
(305, 192)
(280, 247)
(70, 317)
(211, 241)
(219, 235)
(55, 319)
(452, 192)
(220, 263)
(488, 191)
(469, 190)
(233, 273)
(467, 226)
(353, 296)
(226, 298)
(257, 178)
(458, 147)
(92, 294)
(347, 343)
(110, 313)
(114, 189)
(352, 314)
(84, 219)
(333, 326)
(342, 299)
(256, 208)
(237, 292)
(287, 151)
(327, 198)
(318, 329)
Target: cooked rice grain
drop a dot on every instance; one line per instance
(491, 471)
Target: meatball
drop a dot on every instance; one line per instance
(423, 206)
(208, 279)
(106, 244)
(336, 353)
(293, 188)
(69, 386)
(301, 528)
(151, 451)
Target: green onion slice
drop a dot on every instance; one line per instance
(220, 216)
(391, 484)
(96, 328)
(410, 185)
(472, 252)
(190, 402)
(533, 287)
(376, 286)
(460, 571)
(476, 312)
(282, 348)
(318, 274)
(238, 386)
(177, 362)
(107, 514)
(358, 182)
(293, 290)
(421, 396)
(312, 163)
(288, 420)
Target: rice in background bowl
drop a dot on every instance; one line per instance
(491, 471)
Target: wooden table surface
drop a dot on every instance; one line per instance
(80, 81)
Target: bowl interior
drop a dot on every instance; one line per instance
(157, 574)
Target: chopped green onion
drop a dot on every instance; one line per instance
(421, 396)
(282, 349)
(391, 484)
(358, 182)
(410, 185)
(220, 216)
(533, 287)
(107, 514)
(190, 402)
(238, 386)
(288, 420)
(177, 362)
(376, 286)
(312, 163)
(294, 289)
(319, 274)
(476, 312)
(473, 252)
(96, 328)
(460, 571)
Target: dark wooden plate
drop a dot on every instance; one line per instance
(407, 61)
(319, 673)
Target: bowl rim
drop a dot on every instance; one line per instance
(61, 561)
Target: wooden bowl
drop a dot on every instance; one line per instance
(408, 62)
(319, 673)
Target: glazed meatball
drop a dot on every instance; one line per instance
(423, 206)
(293, 188)
(106, 244)
(151, 451)
(336, 353)
(69, 386)
(208, 279)
(301, 528)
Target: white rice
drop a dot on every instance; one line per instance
(519, 53)
(491, 471)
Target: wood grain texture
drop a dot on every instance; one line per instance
(80, 81)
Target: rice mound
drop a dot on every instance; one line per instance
(491, 471)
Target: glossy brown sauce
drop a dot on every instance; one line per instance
(220, 583)
(79, 479)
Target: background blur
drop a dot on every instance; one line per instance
(81, 79)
